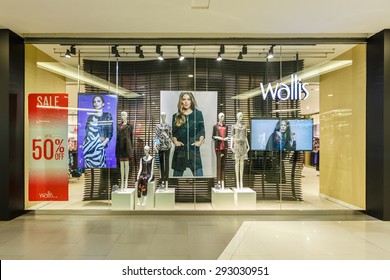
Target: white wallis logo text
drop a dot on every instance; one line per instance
(296, 90)
(49, 194)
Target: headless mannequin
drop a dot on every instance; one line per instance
(145, 172)
(221, 154)
(240, 148)
(124, 162)
(164, 135)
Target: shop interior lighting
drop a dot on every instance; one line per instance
(72, 50)
(270, 52)
(158, 49)
(240, 56)
(181, 57)
(82, 76)
(114, 49)
(139, 51)
(222, 49)
(161, 56)
(244, 49)
(67, 54)
(219, 57)
(160, 53)
(308, 73)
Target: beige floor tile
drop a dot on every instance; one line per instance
(110, 227)
(178, 248)
(206, 251)
(94, 244)
(129, 252)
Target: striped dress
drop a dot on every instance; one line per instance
(93, 148)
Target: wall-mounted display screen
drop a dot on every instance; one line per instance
(282, 134)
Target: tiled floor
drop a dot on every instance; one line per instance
(315, 228)
(311, 240)
(125, 237)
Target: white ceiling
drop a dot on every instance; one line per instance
(177, 18)
(224, 19)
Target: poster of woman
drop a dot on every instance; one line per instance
(192, 115)
(96, 130)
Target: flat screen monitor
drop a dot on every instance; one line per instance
(282, 134)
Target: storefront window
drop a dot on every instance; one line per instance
(150, 130)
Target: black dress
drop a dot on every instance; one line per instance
(124, 142)
(188, 133)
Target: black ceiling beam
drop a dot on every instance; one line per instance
(194, 41)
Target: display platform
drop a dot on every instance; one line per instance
(149, 205)
(165, 199)
(245, 199)
(123, 200)
(222, 199)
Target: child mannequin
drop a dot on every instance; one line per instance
(145, 176)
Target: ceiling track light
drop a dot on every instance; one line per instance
(67, 54)
(219, 57)
(161, 56)
(244, 49)
(158, 49)
(240, 56)
(181, 57)
(73, 49)
(138, 49)
(222, 49)
(114, 49)
(271, 52)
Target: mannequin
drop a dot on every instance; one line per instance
(240, 148)
(163, 145)
(220, 147)
(124, 149)
(145, 176)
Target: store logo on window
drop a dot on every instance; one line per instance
(295, 91)
(49, 194)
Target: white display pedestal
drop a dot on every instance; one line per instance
(245, 198)
(222, 199)
(150, 198)
(165, 199)
(123, 199)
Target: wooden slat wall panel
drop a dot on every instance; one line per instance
(272, 175)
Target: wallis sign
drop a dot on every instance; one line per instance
(294, 91)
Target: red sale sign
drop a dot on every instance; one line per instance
(48, 163)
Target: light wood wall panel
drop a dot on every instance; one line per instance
(343, 130)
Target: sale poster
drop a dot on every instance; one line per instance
(48, 154)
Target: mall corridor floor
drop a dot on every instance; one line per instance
(168, 237)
